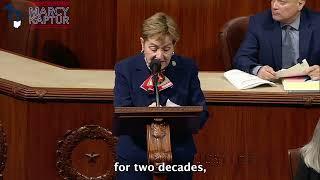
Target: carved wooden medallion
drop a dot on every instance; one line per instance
(80, 152)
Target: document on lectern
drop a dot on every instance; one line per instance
(243, 80)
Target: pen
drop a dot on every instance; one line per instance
(307, 79)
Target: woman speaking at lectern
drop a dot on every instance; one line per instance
(178, 84)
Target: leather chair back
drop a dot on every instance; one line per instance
(294, 158)
(231, 36)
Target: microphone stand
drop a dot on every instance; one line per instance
(158, 146)
(156, 90)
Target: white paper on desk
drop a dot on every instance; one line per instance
(168, 104)
(171, 104)
(243, 80)
(296, 70)
(154, 104)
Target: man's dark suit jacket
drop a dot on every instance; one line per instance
(306, 173)
(186, 91)
(262, 44)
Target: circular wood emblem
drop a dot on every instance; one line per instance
(87, 153)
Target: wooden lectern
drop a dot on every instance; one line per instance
(158, 122)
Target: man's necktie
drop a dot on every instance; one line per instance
(288, 53)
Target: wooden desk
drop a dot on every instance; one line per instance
(249, 131)
(247, 136)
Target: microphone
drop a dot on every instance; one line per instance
(155, 65)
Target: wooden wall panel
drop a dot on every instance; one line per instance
(64, 117)
(90, 41)
(239, 141)
(251, 142)
(104, 32)
(17, 40)
(199, 22)
(91, 38)
(14, 121)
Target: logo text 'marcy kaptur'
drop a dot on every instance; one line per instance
(50, 14)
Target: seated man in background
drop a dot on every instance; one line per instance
(280, 38)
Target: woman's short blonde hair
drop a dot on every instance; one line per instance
(160, 24)
(311, 151)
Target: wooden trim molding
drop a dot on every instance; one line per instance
(306, 99)
(23, 92)
(74, 138)
(3, 151)
(157, 112)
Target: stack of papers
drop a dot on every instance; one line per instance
(294, 79)
(296, 70)
(300, 84)
(243, 80)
